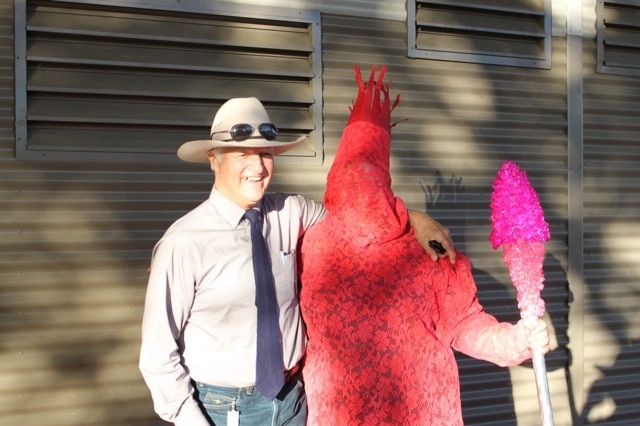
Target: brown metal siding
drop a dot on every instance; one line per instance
(74, 244)
(75, 238)
(611, 245)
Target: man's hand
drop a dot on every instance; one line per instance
(428, 231)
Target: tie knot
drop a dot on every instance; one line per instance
(253, 216)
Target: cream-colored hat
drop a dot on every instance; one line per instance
(248, 111)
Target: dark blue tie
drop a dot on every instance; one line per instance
(269, 363)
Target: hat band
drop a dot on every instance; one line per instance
(242, 132)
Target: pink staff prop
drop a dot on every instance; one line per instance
(519, 227)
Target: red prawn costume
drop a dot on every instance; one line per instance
(382, 318)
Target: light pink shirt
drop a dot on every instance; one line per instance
(200, 314)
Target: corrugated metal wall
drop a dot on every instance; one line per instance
(75, 238)
(611, 245)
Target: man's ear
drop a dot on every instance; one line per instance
(213, 160)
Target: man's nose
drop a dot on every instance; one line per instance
(256, 162)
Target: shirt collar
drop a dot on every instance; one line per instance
(229, 210)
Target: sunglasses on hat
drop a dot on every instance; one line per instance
(242, 132)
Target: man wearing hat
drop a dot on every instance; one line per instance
(213, 350)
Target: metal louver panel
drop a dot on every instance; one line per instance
(618, 37)
(108, 83)
(494, 32)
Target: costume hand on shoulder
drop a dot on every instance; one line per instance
(429, 230)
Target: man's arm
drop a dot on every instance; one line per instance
(428, 230)
(166, 309)
(311, 211)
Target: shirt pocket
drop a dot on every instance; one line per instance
(284, 272)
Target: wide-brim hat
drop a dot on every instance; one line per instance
(234, 111)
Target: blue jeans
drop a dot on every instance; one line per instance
(289, 408)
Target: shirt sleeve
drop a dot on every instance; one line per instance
(312, 211)
(169, 297)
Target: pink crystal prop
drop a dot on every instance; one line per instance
(519, 227)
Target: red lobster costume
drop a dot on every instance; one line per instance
(382, 317)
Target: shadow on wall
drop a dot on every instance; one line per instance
(608, 396)
(613, 396)
(71, 293)
(484, 384)
(612, 278)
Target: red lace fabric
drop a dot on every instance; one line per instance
(382, 318)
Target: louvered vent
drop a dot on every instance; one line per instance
(500, 32)
(618, 39)
(101, 82)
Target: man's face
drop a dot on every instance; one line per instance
(243, 174)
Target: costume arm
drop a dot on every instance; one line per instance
(473, 331)
(169, 298)
(504, 344)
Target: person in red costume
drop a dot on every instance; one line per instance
(382, 324)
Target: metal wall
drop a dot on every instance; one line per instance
(611, 304)
(75, 237)
(75, 240)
